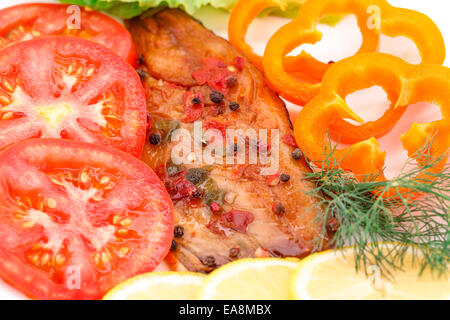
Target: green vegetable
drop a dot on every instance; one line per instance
(367, 217)
(197, 175)
(127, 9)
(211, 192)
(130, 8)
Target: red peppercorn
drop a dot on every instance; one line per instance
(214, 207)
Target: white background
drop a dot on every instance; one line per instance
(369, 105)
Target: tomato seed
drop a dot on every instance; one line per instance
(126, 222)
(60, 259)
(51, 203)
(5, 100)
(84, 177)
(105, 180)
(7, 85)
(123, 252)
(115, 219)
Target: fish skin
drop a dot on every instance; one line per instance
(173, 46)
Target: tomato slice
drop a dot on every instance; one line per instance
(76, 219)
(70, 88)
(33, 20)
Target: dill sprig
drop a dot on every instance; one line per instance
(382, 225)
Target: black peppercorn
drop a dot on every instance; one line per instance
(284, 177)
(174, 245)
(209, 261)
(141, 59)
(154, 139)
(278, 208)
(216, 96)
(297, 154)
(234, 252)
(196, 100)
(178, 231)
(234, 106)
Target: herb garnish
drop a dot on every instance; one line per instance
(370, 220)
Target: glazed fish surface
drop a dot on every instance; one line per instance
(226, 209)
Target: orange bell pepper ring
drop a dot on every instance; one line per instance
(375, 17)
(242, 15)
(408, 83)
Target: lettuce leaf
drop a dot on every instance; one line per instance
(127, 9)
(130, 8)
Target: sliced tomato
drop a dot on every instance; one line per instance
(76, 219)
(70, 88)
(33, 20)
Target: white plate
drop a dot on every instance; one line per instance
(330, 48)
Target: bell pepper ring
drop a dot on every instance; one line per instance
(242, 15)
(409, 83)
(375, 17)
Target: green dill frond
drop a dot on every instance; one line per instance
(381, 225)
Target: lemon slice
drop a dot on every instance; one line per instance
(158, 286)
(250, 279)
(332, 275)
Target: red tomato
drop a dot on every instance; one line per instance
(70, 88)
(33, 20)
(76, 219)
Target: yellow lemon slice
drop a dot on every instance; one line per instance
(332, 275)
(250, 279)
(158, 286)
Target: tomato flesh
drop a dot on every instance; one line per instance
(70, 88)
(34, 20)
(77, 219)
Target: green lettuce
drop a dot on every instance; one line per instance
(130, 8)
(127, 9)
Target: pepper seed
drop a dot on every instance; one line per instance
(142, 73)
(284, 177)
(234, 252)
(154, 139)
(197, 193)
(278, 208)
(333, 225)
(174, 245)
(297, 154)
(178, 231)
(216, 96)
(231, 81)
(209, 261)
(234, 106)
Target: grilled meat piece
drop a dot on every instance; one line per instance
(226, 211)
